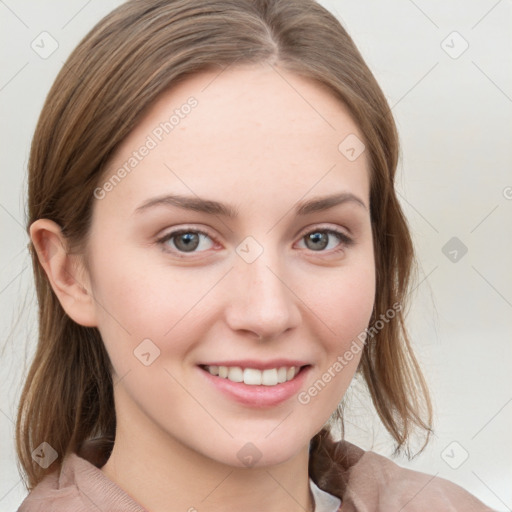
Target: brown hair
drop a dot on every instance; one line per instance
(118, 70)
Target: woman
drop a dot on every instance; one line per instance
(218, 249)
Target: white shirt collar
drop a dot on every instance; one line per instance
(324, 502)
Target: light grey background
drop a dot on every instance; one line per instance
(454, 114)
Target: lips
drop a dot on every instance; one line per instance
(253, 394)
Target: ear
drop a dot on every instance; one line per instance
(66, 272)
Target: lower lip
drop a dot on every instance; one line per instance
(257, 396)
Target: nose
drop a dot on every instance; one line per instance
(261, 298)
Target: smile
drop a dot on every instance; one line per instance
(254, 376)
(267, 386)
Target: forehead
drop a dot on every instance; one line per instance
(241, 132)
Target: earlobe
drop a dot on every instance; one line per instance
(65, 272)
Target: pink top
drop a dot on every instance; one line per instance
(372, 483)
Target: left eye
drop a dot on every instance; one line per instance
(318, 240)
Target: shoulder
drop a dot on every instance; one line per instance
(79, 486)
(57, 491)
(376, 483)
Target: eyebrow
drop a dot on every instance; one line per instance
(225, 210)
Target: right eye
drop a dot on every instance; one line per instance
(185, 241)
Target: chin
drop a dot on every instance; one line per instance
(260, 452)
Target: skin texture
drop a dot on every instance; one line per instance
(261, 139)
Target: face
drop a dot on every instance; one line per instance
(238, 272)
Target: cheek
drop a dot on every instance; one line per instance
(353, 302)
(344, 302)
(341, 312)
(136, 302)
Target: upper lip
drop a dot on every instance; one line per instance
(259, 365)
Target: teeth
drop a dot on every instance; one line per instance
(290, 373)
(269, 377)
(236, 374)
(253, 376)
(281, 374)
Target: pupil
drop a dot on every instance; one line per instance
(188, 240)
(318, 238)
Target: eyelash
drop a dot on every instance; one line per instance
(345, 241)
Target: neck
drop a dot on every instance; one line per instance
(162, 475)
(191, 482)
